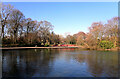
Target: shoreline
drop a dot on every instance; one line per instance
(7, 48)
(60, 47)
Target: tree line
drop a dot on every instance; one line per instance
(16, 30)
(100, 35)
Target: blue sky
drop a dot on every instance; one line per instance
(69, 17)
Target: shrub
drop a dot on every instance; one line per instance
(46, 45)
(106, 44)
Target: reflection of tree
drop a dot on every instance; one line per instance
(99, 63)
(39, 62)
(95, 64)
(0, 63)
(27, 63)
(102, 62)
(80, 58)
(76, 55)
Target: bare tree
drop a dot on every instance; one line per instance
(111, 30)
(45, 29)
(5, 13)
(15, 23)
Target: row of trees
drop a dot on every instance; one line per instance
(99, 36)
(18, 30)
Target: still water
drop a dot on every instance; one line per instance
(59, 63)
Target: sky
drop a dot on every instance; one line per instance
(60, 0)
(68, 17)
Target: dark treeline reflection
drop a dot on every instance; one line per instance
(59, 63)
(26, 63)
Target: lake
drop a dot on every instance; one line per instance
(59, 63)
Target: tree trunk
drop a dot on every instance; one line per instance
(2, 31)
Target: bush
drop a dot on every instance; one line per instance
(106, 44)
(46, 45)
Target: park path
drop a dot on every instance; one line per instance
(35, 47)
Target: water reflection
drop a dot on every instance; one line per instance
(27, 62)
(0, 63)
(59, 63)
